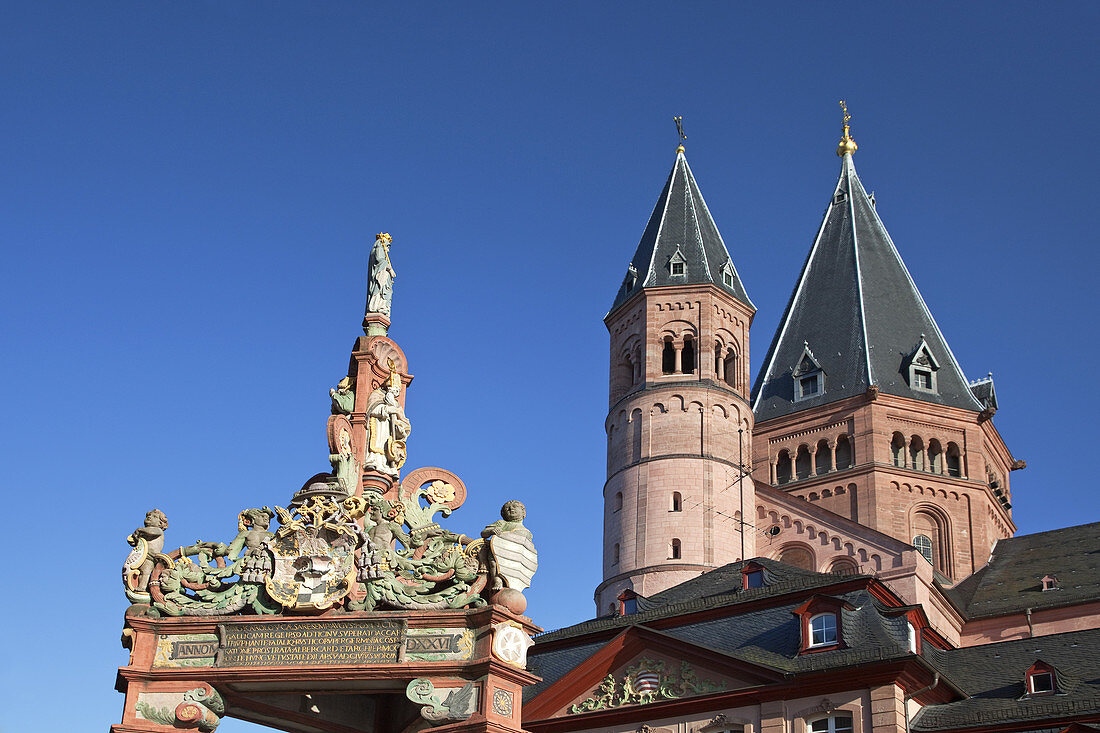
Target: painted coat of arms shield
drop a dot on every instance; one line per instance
(313, 567)
(516, 558)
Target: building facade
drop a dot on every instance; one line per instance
(829, 547)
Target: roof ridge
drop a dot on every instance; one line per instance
(849, 174)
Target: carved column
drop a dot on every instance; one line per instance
(793, 455)
(813, 459)
(678, 367)
(832, 455)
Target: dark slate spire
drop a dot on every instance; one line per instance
(681, 237)
(859, 311)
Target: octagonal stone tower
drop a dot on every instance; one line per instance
(679, 426)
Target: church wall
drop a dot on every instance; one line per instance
(1043, 622)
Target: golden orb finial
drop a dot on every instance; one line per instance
(847, 145)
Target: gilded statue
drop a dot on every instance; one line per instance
(380, 283)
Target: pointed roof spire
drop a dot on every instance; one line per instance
(847, 145)
(857, 303)
(681, 244)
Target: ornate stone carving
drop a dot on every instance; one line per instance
(201, 707)
(513, 559)
(644, 682)
(387, 428)
(380, 282)
(343, 397)
(343, 455)
(148, 542)
(510, 643)
(459, 704)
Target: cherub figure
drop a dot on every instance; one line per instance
(147, 541)
(253, 534)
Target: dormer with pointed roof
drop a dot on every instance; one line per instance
(857, 302)
(861, 406)
(681, 232)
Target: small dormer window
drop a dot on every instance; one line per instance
(677, 264)
(921, 367)
(823, 630)
(809, 377)
(727, 273)
(754, 579)
(1040, 679)
(628, 602)
(1050, 582)
(1042, 682)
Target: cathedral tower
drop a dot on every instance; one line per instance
(862, 408)
(679, 416)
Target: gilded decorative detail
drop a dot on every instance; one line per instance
(646, 681)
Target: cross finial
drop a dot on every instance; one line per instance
(847, 145)
(680, 131)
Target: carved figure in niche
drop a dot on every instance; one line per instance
(345, 466)
(343, 397)
(512, 558)
(387, 427)
(147, 541)
(380, 285)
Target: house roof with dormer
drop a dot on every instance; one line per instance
(858, 307)
(681, 229)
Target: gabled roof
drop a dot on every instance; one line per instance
(681, 228)
(858, 307)
(1012, 580)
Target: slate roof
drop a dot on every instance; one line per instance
(718, 587)
(993, 677)
(856, 306)
(984, 392)
(768, 637)
(681, 223)
(1010, 582)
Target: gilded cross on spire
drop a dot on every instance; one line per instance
(680, 131)
(847, 145)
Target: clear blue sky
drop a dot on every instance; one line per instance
(189, 191)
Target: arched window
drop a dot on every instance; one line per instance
(687, 356)
(731, 368)
(823, 458)
(668, 357)
(783, 467)
(897, 449)
(843, 453)
(916, 453)
(844, 566)
(832, 724)
(802, 462)
(618, 501)
(800, 557)
(935, 456)
(674, 549)
(677, 503)
(615, 555)
(823, 629)
(953, 460)
(923, 543)
(929, 525)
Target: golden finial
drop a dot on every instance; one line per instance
(847, 144)
(384, 237)
(680, 131)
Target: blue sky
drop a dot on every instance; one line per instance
(189, 192)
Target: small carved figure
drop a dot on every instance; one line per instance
(253, 534)
(521, 560)
(343, 397)
(387, 427)
(345, 466)
(147, 541)
(380, 285)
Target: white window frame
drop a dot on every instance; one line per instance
(831, 724)
(824, 630)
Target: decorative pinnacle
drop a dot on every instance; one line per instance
(847, 145)
(680, 131)
(384, 236)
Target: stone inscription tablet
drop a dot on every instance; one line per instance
(311, 643)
